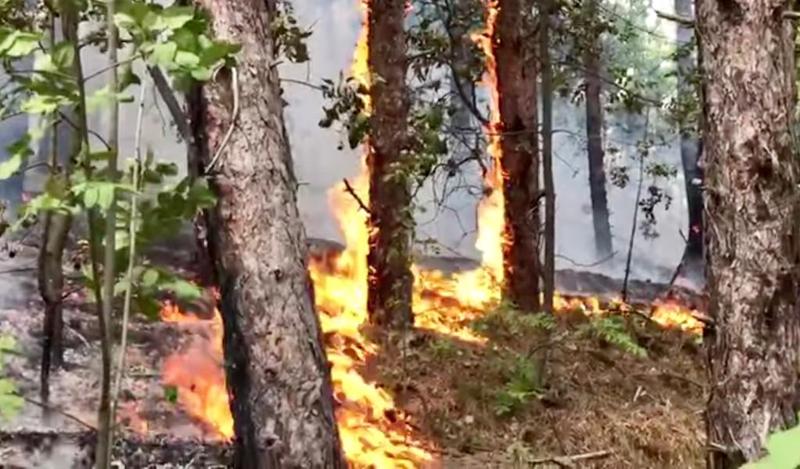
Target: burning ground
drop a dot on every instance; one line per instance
(473, 384)
(454, 392)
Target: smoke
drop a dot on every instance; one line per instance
(319, 165)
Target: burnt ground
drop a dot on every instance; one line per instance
(590, 396)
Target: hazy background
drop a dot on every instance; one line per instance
(319, 165)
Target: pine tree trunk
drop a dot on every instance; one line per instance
(752, 218)
(690, 148)
(276, 368)
(516, 76)
(594, 134)
(391, 217)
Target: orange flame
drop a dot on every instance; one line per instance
(197, 373)
(374, 432)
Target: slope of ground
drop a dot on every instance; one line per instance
(620, 393)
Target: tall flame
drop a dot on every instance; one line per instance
(491, 210)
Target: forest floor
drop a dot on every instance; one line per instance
(530, 396)
(566, 393)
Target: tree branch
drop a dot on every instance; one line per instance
(349, 189)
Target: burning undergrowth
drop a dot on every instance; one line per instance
(401, 400)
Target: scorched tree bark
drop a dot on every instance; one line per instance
(516, 77)
(276, 368)
(391, 219)
(752, 237)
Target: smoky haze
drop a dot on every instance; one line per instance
(320, 165)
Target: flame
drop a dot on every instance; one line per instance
(673, 315)
(373, 431)
(491, 210)
(197, 373)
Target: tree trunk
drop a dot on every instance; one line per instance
(594, 134)
(462, 89)
(752, 212)
(391, 218)
(277, 372)
(690, 149)
(547, 159)
(519, 160)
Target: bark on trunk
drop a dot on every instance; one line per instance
(516, 76)
(594, 134)
(276, 368)
(690, 149)
(547, 159)
(752, 237)
(391, 219)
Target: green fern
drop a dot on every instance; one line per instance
(523, 383)
(507, 321)
(612, 330)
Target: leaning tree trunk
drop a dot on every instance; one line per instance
(690, 148)
(751, 171)
(519, 160)
(276, 368)
(594, 134)
(391, 218)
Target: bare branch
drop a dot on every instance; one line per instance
(349, 189)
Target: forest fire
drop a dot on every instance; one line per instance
(374, 432)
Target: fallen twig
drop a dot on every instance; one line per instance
(568, 461)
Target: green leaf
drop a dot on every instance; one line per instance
(90, 197)
(43, 104)
(18, 152)
(10, 166)
(164, 54)
(63, 55)
(149, 278)
(16, 43)
(171, 394)
(183, 289)
(186, 59)
(202, 73)
(105, 195)
(174, 17)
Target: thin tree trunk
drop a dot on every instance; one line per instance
(751, 171)
(519, 160)
(547, 159)
(57, 146)
(690, 148)
(391, 218)
(462, 89)
(594, 133)
(277, 372)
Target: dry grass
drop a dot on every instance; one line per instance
(647, 412)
